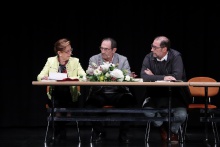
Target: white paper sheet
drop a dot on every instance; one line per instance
(57, 76)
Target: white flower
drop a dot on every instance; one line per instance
(90, 70)
(117, 74)
(97, 71)
(106, 72)
(127, 78)
(94, 65)
(107, 75)
(113, 65)
(105, 66)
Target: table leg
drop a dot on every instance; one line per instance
(52, 113)
(206, 111)
(169, 113)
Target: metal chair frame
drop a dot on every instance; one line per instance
(206, 93)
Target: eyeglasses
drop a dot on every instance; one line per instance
(69, 51)
(155, 47)
(105, 49)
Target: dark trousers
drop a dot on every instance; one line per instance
(62, 99)
(117, 100)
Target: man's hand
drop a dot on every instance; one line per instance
(168, 78)
(133, 74)
(148, 72)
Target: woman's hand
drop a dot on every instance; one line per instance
(45, 78)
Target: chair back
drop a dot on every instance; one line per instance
(199, 91)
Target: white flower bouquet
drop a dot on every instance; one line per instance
(106, 73)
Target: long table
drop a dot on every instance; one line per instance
(145, 84)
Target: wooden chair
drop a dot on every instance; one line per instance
(48, 107)
(199, 93)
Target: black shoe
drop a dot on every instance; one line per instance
(60, 136)
(124, 138)
(98, 137)
(57, 139)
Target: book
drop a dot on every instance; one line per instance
(68, 79)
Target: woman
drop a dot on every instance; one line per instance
(64, 96)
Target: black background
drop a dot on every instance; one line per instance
(30, 31)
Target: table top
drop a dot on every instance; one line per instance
(203, 84)
(77, 83)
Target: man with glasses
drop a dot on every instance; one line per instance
(117, 96)
(64, 96)
(164, 63)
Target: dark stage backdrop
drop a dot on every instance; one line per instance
(29, 36)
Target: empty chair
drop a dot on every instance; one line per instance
(204, 93)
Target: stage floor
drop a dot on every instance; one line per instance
(34, 137)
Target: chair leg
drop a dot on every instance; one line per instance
(147, 132)
(184, 128)
(48, 125)
(181, 134)
(182, 131)
(78, 131)
(206, 132)
(215, 130)
(91, 138)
